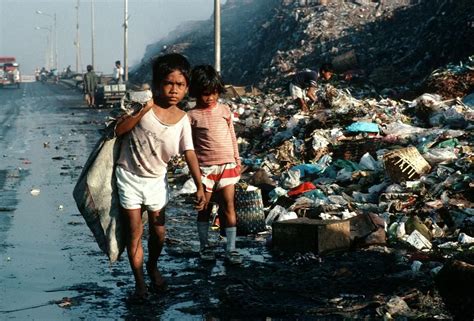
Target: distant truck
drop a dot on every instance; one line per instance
(9, 72)
(110, 94)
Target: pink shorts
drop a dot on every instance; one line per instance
(216, 177)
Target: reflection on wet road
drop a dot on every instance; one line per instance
(45, 135)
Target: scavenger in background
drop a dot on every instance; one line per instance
(157, 133)
(118, 72)
(90, 86)
(304, 84)
(218, 155)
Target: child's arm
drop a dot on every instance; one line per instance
(193, 165)
(234, 141)
(126, 124)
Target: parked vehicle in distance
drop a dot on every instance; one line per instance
(110, 94)
(9, 72)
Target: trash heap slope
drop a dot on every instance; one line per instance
(264, 41)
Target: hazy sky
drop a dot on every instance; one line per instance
(149, 21)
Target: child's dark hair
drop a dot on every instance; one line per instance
(326, 67)
(89, 68)
(166, 64)
(205, 80)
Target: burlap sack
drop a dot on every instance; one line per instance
(97, 199)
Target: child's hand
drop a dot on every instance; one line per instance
(200, 201)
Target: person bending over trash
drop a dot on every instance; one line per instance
(154, 135)
(218, 155)
(304, 83)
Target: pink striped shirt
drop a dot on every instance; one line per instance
(213, 135)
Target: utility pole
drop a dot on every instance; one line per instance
(125, 40)
(217, 35)
(56, 44)
(93, 33)
(77, 42)
(48, 52)
(49, 45)
(55, 40)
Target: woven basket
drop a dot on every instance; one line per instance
(405, 164)
(249, 213)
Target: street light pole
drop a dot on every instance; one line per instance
(55, 36)
(125, 40)
(93, 33)
(77, 43)
(217, 35)
(49, 63)
(48, 51)
(56, 44)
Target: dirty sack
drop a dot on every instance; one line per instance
(96, 193)
(96, 196)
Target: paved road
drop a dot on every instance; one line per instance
(46, 251)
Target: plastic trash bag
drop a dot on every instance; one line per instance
(188, 187)
(273, 214)
(319, 141)
(367, 162)
(402, 130)
(290, 179)
(344, 175)
(276, 193)
(295, 121)
(469, 101)
(364, 127)
(436, 156)
(286, 216)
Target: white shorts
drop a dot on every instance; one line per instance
(135, 191)
(297, 92)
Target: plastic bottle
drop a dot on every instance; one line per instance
(215, 217)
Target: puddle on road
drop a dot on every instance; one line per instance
(9, 182)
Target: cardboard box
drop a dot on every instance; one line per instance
(305, 235)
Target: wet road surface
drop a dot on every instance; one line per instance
(50, 266)
(46, 251)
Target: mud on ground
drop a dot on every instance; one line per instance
(345, 285)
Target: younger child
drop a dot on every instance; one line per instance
(158, 132)
(216, 150)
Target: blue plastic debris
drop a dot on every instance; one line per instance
(363, 127)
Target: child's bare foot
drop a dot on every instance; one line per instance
(139, 297)
(158, 283)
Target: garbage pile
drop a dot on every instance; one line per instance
(384, 43)
(409, 162)
(387, 43)
(400, 171)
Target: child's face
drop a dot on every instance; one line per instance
(173, 89)
(207, 99)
